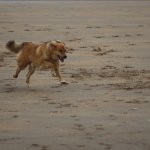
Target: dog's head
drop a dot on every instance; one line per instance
(59, 50)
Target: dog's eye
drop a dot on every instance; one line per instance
(64, 50)
(61, 50)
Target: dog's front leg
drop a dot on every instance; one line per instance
(56, 69)
(52, 70)
(57, 72)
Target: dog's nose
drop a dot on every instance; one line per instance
(65, 56)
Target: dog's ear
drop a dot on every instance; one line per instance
(58, 41)
(53, 44)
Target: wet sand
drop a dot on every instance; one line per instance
(106, 105)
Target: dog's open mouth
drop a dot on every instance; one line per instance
(61, 58)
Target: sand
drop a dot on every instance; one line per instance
(106, 104)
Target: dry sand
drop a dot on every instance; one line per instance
(106, 106)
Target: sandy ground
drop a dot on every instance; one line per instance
(106, 106)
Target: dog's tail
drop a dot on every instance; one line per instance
(13, 47)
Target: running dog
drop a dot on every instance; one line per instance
(36, 55)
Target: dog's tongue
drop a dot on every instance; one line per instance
(61, 59)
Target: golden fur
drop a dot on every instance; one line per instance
(45, 55)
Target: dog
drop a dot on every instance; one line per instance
(47, 54)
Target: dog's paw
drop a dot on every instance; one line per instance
(29, 85)
(15, 76)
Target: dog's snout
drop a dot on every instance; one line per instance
(65, 56)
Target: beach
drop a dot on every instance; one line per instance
(106, 104)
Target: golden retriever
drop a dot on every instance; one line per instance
(34, 56)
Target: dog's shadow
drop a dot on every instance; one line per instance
(33, 88)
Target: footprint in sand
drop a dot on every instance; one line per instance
(81, 145)
(128, 35)
(35, 145)
(131, 44)
(74, 116)
(83, 46)
(140, 25)
(99, 127)
(45, 98)
(139, 34)
(42, 147)
(115, 36)
(78, 127)
(99, 37)
(10, 90)
(15, 116)
(11, 31)
(106, 146)
(136, 101)
(26, 30)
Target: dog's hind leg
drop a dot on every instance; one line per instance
(17, 72)
(30, 72)
(20, 66)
